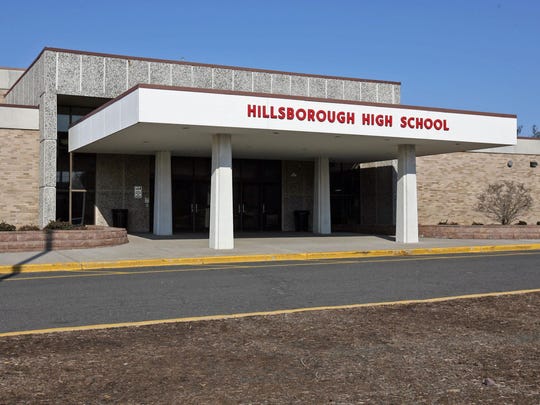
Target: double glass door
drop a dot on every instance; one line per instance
(256, 194)
(191, 194)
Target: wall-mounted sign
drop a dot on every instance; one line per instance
(137, 192)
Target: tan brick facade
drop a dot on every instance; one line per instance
(19, 159)
(448, 185)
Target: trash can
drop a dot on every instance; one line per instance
(301, 220)
(120, 217)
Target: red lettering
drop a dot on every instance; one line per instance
(367, 119)
(290, 113)
(350, 118)
(410, 122)
(301, 114)
(388, 121)
(403, 122)
(272, 114)
(311, 115)
(281, 113)
(252, 111)
(264, 113)
(341, 117)
(445, 128)
(437, 125)
(419, 123)
(321, 115)
(331, 116)
(428, 123)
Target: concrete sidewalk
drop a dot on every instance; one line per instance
(149, 250)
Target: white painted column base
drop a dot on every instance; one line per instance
(163, 195)
(322, 223)
(407, 205)
(221, 194)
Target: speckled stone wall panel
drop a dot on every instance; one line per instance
(160, 73)
(243, 80)
(317, 87)
(47, 163)
(369, 92)
(69, 73)
(299, 86)
(115, 77)
(92, 76)
(182, 75)
(297, 191)
(449, 185)
(138, 72)
(351, 90)
(397, 94)
(40, 79)
(49, 67)
(223, 79)
(385, 93)
(262, 82)
(202, 77)
(281, 84)
(47, 205)
(334, 89)
(19, 166)
(48, 116)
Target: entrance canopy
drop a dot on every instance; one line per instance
(150, 118)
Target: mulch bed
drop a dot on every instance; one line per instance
(468, 351)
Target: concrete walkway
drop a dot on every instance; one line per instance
(147, 247)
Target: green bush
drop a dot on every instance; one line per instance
(28, 228)
(63, 226)
(6, 227)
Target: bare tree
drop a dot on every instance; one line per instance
(535, 132)
(504, 201)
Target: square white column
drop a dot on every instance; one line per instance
(163, 195)
(407, 205)
(322, 223)
(221, 194)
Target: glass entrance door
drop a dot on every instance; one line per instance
(257, 195)
(191, 194)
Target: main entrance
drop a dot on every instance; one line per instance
(256, 194)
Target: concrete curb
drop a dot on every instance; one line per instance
(119, 264)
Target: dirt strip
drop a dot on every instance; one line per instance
(468, 351)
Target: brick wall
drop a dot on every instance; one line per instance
(448, 185)
(19, 158)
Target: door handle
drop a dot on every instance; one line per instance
(264, 209)
(192, 208)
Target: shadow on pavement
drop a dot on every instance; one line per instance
(16, 269)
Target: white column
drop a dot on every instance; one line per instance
(163, 195)
(321, 199)
(221, 194)
(406, 206)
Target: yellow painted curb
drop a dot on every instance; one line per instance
(74, 266)
(264, 313)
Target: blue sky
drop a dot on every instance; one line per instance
(477, 55)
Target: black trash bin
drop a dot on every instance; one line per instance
(301, 220)
(120, 217)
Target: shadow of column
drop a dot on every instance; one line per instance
(17, 268)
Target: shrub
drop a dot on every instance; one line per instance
(62, 226)
(504, 201)
(29, 228)
(6, 227)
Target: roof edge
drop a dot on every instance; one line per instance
(287, 97)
